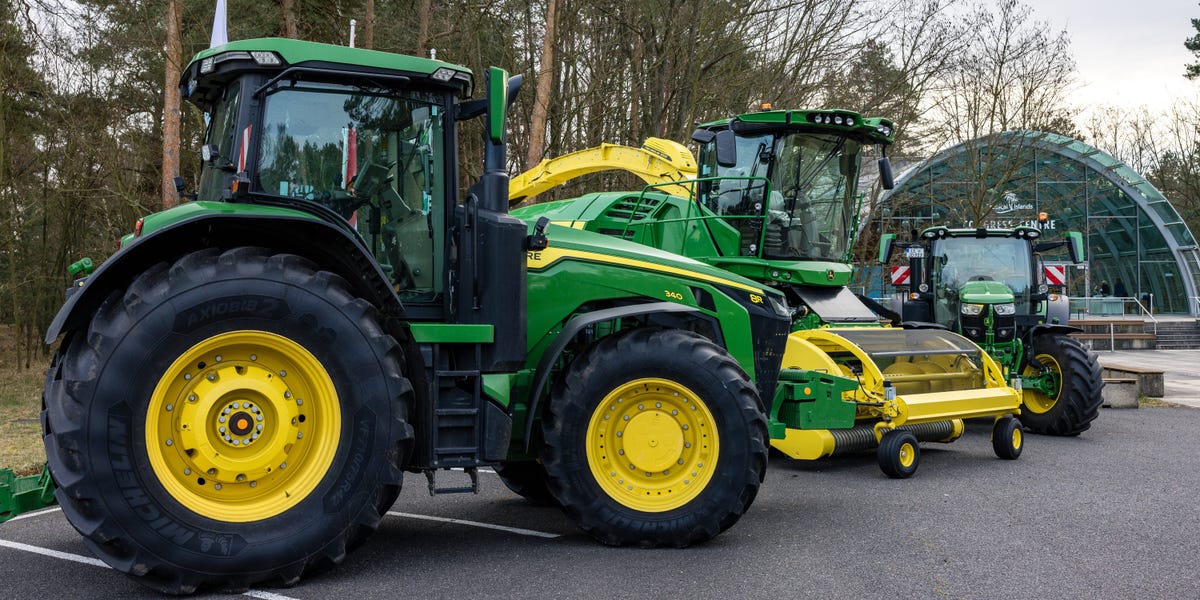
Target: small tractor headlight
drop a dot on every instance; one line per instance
(924, 287)
(972, 310)
(1007, 309)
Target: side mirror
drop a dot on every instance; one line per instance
(885, 174)
(726, 148)
(1075, 246)
(498, 88)
(887, 245)
(703, 136)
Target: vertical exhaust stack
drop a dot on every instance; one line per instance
(493, 243)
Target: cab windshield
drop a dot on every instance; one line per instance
(377, 158)
(959, 260)
(807, 211)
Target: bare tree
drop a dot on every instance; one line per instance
(289, 18)
(542, 95)
(369, 26)
(171, 103)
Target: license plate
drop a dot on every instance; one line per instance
(918, 252)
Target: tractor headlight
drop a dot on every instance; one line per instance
(972, 310)
(1007, 309)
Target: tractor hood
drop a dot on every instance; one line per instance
(570, 243)
(985, 292)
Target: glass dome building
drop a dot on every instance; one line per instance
(1138, 246)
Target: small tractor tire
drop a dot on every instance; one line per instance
(1007, 439)
(1077, 403)
(232, 418)
(899, 454)
(654, 437)
(527, 479)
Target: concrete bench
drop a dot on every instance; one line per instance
(1120, 392)
(1150, 381)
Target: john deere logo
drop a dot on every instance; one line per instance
(829, 274)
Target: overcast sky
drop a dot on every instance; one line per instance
(1128, 53)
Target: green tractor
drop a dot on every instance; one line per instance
(774, 198)
(990, 285)
(239, 389)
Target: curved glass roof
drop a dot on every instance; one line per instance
(1138, 245)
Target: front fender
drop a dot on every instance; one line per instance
(332, 247)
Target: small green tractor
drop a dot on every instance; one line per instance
(239, 389)
(774, 198)
(990, 285)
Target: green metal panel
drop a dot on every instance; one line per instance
(23, 494)
(189, 210)
(452, 333)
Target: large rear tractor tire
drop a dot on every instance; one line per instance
(229, 419)
(1077, 403)
(656, 438)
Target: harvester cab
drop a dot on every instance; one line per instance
(774, 197)
(239, 389)
(990, 286)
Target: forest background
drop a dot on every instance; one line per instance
(92, 130)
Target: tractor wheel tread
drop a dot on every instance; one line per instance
(1083, 383)
(74, 385)
(675, 353)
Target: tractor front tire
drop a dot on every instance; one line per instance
(1077, 403)
(654, 437)
(228, 419)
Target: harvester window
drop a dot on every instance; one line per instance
(810, 218)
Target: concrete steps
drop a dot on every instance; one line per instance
(1176, 335)
(1124, 334)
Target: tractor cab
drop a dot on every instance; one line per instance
(372, 147)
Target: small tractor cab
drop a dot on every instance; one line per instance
(989, 285)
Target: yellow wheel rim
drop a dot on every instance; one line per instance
(1034, 400)
(1016, 439)
(908, 454)
(652, 445)
(243, 426)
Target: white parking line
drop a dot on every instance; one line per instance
(34, 514)
(517, 530)
(87, 560)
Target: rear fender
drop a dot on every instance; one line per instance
(569, 331)
(332, 248)
(1044, 329)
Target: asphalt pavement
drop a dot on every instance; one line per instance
(1108, 514)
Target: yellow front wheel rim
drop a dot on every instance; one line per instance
(1016, 439)
(243, 426)
(652, 445)
(907, 455)
(1034, 400)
